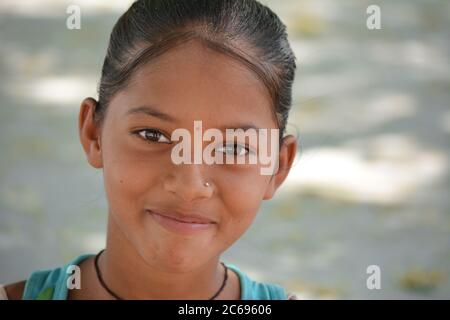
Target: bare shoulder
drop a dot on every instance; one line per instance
(292, 296)
(14, 291)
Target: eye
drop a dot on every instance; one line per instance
(153, 135)
(236, 149)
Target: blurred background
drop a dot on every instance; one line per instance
(370, 185)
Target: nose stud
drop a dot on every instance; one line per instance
(207, 184)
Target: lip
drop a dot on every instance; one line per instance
(182, 223)
(183, 217)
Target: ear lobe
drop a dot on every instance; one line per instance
(89, 133)
(288, 150)
(271, 188)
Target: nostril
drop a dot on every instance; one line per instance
(189, 188)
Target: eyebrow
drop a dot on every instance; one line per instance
(244, 127)
(150, 111)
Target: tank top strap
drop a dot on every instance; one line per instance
(50, 284)
(254, 290)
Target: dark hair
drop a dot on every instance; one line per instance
(243, 29)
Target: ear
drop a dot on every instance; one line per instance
(288, 150)
(89, 133)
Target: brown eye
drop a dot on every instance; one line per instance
(151, 135)
(235, 149)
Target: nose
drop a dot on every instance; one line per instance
(186, 181)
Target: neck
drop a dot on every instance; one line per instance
(130, 276)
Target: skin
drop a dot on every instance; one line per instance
(143, 260)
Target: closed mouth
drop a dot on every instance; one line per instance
(184, 218)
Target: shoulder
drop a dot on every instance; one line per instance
(42, 284)
(255, 290)
(292, 296)
(13, 291)
(50, 284)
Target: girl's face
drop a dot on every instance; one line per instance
(185, 84)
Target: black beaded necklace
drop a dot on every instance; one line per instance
(102, 282)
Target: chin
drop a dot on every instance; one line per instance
(171, 258)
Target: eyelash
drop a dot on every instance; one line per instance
(154, 132)
(158, 132)
(235, 146)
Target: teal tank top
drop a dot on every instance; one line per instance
(52, 284)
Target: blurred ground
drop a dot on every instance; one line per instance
(370, 185)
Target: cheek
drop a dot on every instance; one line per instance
(128, 177)
(242, 194)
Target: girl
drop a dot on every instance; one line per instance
(169, 63)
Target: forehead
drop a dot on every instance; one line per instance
(193, 82)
